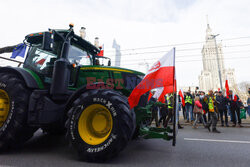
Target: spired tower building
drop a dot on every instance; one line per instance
(209, 78)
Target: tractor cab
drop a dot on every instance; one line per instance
(45, 48)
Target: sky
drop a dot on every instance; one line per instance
(139, 27)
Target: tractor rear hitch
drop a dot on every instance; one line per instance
(156, 133)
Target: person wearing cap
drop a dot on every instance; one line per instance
(222, 108)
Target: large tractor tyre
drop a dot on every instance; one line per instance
(100, 124)
(14, 98)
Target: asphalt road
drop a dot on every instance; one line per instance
(229, 148)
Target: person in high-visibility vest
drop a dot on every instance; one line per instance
(170, 102)
(188, 106)
(212, 111)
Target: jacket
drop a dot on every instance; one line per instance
(204, 105)
(153, 101)
(234, 101)
(222, 102)
(198, 104)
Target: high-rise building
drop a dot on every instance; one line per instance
(209, 78)
(118, 54)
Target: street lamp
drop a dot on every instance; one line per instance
(217, 57)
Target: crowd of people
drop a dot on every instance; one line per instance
(200, 107)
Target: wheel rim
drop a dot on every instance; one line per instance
(4, 106)
(95, 124)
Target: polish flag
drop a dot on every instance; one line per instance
(161, 74)
(158, 93)
(182, 97)
(150, 95)
(166, 90)
(235, 98)
(227, 88)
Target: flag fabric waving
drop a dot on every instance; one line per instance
(19, 50)
(158, 92)
(167, 89)
(161, 74)
(227, 88)
(150, 95)
(182, 97)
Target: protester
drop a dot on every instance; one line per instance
(178, 113)
(222, 108)
(163, 112)
(216, 94)
(170, 102)
(154, 109)
(204, 102)
(199, 112)
(184, 109)
(170, 109)
(212, 111)
(248, 103)
(235, 105)
(188, 106)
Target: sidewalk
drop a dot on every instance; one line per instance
(245, 122)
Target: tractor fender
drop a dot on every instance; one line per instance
(77, 93)
(23, 74)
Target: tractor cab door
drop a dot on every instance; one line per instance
(41, 62)
(78, 57)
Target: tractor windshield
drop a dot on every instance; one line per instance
(79, 57)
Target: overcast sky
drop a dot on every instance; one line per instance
(139, 24)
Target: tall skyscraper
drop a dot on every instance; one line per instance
(117, 53)
(209, 78)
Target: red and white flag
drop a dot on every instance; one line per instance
(227, 88)
(166, 90)
(161, 74)
(150, 95)
(158, 93)
(182, 97)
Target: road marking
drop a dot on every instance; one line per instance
(222, 141)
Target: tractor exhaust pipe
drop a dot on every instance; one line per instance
(61, 72)
(61, 75)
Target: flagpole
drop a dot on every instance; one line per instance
(175, 107)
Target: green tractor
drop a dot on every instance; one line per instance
(63, 87)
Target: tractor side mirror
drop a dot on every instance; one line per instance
(48, 41)
(109, 63)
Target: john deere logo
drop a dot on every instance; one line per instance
(155, 67)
